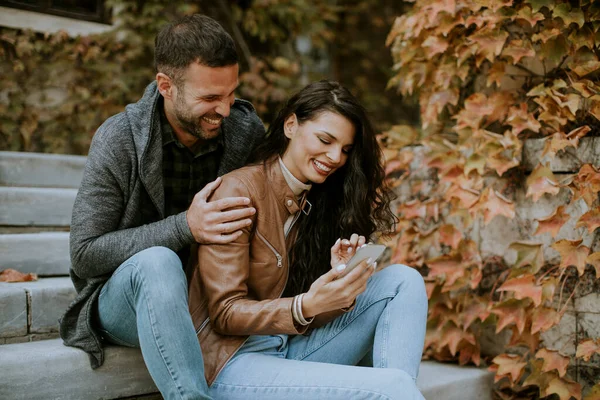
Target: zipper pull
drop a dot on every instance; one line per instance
(279, 263)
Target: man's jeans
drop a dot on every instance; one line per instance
(385, 330)
(144, 304)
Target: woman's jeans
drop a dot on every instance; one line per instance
(385, 330)
(144, 304)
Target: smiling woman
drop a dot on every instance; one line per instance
(277, 296)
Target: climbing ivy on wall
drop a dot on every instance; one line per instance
(488, 76)
(56, 90)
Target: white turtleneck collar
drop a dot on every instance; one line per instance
(294, 183)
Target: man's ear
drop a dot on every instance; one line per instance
(165, 85)
(290, 126)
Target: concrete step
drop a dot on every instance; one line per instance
(37, 169)
(44, 253)
(49, 370)
(452, 382)
(28, 309)
(36, 206)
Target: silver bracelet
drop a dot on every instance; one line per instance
(294, 312)
(303, 321)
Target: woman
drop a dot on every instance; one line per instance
(275, 315)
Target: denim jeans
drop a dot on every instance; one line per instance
(144, 304)
(385, 330)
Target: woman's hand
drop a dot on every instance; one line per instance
(329, 293)
(343, 250)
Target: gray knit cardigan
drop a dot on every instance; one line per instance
(119, 208)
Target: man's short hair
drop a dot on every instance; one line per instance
(193, 38)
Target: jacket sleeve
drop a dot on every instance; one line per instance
(98, 245)
(224, 270)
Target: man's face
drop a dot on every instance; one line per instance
(203, 98)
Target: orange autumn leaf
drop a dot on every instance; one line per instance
(520, 119)
(12, 275)
(525, 338)
(466, 197)
(518, 49)
(523, 287)
(544, 318)
(587, 184)
(553, 360)
(449, 267)
(540, 182)
(469, 353)
(564, 388)
(413, 209)
(528, 253)
(492, 204)
(510, 366)
(449, 235)
(572, 253)
(536, 376)
(452, 336)
(553, 222)
(473, 311)
(510, 312)
(587, 348)
(594, 260)
(590, 220)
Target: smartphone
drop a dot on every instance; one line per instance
(372, 251)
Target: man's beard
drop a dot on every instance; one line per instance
(192, 124)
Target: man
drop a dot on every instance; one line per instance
(143, 202)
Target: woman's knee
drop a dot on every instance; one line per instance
(397, 384)
(400, 277)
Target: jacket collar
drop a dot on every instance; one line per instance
(283, 192)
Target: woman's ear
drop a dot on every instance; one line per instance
(290, 126)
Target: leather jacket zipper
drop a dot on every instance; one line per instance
(203, 325)
(279, 257)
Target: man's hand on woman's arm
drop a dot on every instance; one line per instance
(220, 221)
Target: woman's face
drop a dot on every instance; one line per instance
(318, 147)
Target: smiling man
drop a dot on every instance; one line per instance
(143, 202)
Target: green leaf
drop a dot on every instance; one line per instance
(537, 4)
(569, 15)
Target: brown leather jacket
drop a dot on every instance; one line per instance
(235, 289)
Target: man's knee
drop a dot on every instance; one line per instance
(158, 267)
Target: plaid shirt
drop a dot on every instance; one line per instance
(186, 172)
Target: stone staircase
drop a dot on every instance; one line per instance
(36, 197)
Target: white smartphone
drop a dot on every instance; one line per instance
(372, 251)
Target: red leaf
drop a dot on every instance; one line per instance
(553, 360)
(12, 275)
(564, 388)
(587, 348)
(553, 222)
(572, 253)
(523, 287)
(510, 312)
(449, 267)
(544, 318)
(590, 220)
(540, 182)
(510, 366)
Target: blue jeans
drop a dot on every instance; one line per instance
(385, 330)
(144, 304)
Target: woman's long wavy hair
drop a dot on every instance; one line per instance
(354, 199)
